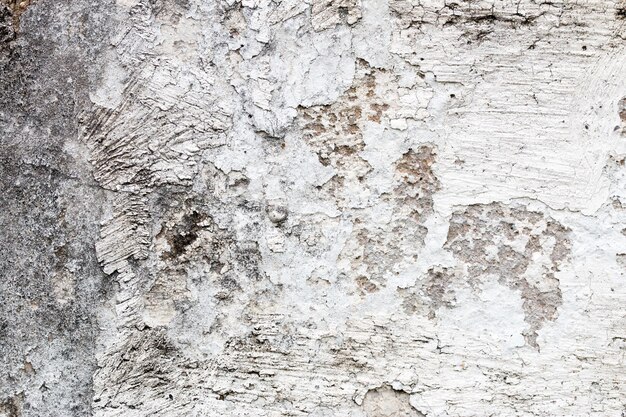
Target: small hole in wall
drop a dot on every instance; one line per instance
(586, 126)
(170, 396)
(584, 47)
(452, 95)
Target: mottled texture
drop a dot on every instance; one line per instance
(521, 249)
(322, 208)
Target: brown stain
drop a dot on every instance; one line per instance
(438, 287)
(28, 368)
(415, 166)
(366, 286)
(17, 8)
(417, 181)
(12, 406)
(378, 109)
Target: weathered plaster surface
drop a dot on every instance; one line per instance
(324, 208)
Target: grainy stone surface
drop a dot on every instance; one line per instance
(323, 208)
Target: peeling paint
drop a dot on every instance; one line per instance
(355, 208)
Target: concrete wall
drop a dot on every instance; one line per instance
(324, 208)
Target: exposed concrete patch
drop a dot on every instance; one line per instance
(380, 247)
(387, 402)
(521, 249)
(335, 131)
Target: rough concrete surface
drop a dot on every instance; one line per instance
(323, 208)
